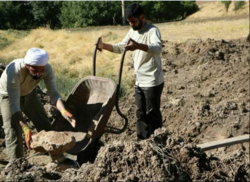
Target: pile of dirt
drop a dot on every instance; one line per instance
(160, 158)
(205, 98)
(206, 90)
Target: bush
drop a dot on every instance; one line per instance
(227, 4)
(238, 5)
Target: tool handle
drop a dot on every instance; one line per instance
(94, 56)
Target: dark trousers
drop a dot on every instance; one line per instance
(149, 118)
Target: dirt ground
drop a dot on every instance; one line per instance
(205, 98)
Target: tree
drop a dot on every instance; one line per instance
(90, 13)
(46, 13)
(76, 14)
(15, 15)
(227, 4)
(161, 11)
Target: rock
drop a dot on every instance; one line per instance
(53, 142)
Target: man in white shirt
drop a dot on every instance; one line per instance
(18, 94)
(145, 42)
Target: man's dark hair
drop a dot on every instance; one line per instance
(134, 10)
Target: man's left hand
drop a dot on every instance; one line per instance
(132, 45)
(27, 134)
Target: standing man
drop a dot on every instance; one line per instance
(18, 94)
(145, 42)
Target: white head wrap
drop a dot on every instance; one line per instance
(36, 57)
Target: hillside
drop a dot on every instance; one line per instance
(213, 9)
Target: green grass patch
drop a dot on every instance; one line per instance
(9, 36)
(66, 84)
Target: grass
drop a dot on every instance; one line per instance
(217, 9)
(221, 29)
(71, 51)
(9, 36)
(64, 84)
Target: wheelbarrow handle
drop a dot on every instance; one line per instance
(94, 56)
(121, 64)
(118, 89)
(118, 84)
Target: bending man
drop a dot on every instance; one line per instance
(18, 94)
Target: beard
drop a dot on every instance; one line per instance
(35, 77)
(139, 26)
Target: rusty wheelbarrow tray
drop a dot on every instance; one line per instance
(91, 101)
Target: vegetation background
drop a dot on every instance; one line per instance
(71, 45)
(78, 14)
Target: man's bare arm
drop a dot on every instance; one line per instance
(108, 47)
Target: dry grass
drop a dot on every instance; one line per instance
(217, 9)
(71, 52)
(220, 29)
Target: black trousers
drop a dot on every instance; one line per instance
(149, 118)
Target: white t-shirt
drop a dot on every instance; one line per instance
(147, 65)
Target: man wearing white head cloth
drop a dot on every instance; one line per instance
(18, 94)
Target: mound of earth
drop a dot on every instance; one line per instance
(206, 92)
(160, 158)
(205, 98)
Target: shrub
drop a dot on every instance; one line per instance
(238, 5)
(227, 4)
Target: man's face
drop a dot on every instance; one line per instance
(36, 72)
(135, 22)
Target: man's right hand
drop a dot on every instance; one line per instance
(100, 44)
(27, 134)
(68, 116)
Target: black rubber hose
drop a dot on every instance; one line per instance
(114, 130)
(94, 56)
(118, 91)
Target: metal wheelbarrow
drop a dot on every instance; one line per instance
(91, 101)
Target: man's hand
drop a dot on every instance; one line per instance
(132, 45)
(104, 46)
(26, 130)
(100, 44)
(68, 116)
(27, 134)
